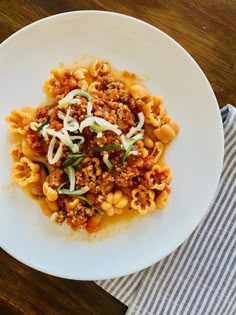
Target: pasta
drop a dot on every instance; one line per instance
(115, 203)
(96, 149)
(161, 199)
(18, 122)
(25, 172)
(143, 199)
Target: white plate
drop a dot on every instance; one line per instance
(195, 156)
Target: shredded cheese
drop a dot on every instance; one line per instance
(53, 159)
(70, 123)
(98, 125)
(69, 98)
(70, 171)
(89, 108)
(107, 161)
(138, 127)
(124, 142)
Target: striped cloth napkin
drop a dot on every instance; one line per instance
(198, 278)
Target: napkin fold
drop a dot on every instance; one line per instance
(199, 277)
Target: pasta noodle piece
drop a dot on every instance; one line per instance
(27, 149)
(165, 133)
(142, 150)
(83, 84)
(148, 142)
(158, 177)
(18, 122)
(173, 125)
(138, 91)
(168, 131)
(73, 83)
(25, 172)
(53, 217)
(80, 73)
(58, 74)
(105, 68)
(93, 87)
(71, 204)
(99, 67)
(52, 205)
(95, 67)
(162, 199)
(49, 192)
(16, 152)
(115, 203)
(143, 200)
(154, 112)
(158, 151)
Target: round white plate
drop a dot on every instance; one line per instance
(195, 157)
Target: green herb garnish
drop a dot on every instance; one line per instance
(42, 125)
(108, 147)
(74, 160)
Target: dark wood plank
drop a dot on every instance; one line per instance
(27, 291)
(206, 29)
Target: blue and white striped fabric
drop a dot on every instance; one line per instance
(199, 278)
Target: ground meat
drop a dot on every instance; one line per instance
(116, 84)
(149, 162)
(124, 97)
(107, 79)
(85, 176)
(105, 183)
(125, 116)
(61, 216)
(124, 177)
(54, 115)
(97, 102)
(55, 178)
(136, 106)
(110, 95)
(78, 217)
(42, 112)
(36, 142)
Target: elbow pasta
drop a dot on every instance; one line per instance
(83, 84)
(162, 199)
(93, 88)
(159, 148)
(49, 192)
(99, 67)
(96, 149)
(154, 112)
(168, 131)
(138, 91)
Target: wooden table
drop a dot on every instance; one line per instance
(206, 29)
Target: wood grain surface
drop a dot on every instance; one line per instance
(206, 29)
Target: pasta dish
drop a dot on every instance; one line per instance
(95, 148)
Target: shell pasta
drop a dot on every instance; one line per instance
(95, 149)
